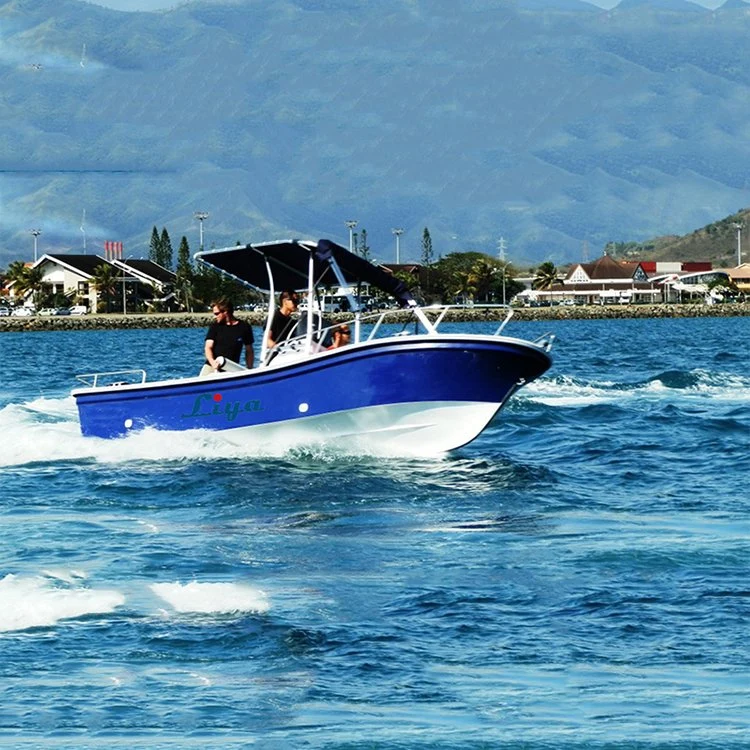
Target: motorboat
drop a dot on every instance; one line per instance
(402, 385)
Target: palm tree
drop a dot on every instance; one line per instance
(15, 274)
(481, 277)
(546, 276)
(106, 279)
(29, 281)
(461, 283)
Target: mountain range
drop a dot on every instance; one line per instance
(547, 128)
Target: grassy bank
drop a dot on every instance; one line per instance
(201, 320)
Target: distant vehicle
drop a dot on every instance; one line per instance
(79, 310)
(4, 312)
(47, 311)
(22, 312)
(335, 303)
(62, 311)
(368, 304)
(331, 303)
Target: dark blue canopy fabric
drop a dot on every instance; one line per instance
(289, 261)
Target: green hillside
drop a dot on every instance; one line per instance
(716, 242)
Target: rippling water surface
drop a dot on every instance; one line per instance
(579, 576)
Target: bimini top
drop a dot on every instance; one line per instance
(289, 262)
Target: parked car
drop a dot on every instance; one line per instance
(22, 312)
(79, 310)
(62, 311)
(4, 312)
(47, 311)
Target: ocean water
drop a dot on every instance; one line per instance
(579, 576)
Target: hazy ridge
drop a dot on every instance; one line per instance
(558, 129)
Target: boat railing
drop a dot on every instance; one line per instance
(370, 326)
(428, 319)
(545, 341)
(113, 378)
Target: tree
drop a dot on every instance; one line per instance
(165, 248)
(14, 274)
(546, 276)
(106, 279)
(426, 247)
(184, 266)
(364, 248)
(482, 277)
(184, 280)
(410, 281)
(29, 281)
(477, 276)
(427, 262)
(154, 248)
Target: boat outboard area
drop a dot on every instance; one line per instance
(398, 383)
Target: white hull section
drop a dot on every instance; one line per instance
(416, 429)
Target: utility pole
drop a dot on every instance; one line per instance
(201, 216)
(738, 226)
(36, 233)
(350, 224)
(398, 232)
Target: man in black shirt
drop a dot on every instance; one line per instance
(282, 323)
(226, 337)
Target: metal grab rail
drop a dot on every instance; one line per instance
(504, 323)
(92, 379)
(404, 316)
(545, 341)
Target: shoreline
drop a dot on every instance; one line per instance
(116, 321)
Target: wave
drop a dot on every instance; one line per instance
(43, 601)
(54, 596)
(212, 598)
(697, 383)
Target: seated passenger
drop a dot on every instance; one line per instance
(341, 336)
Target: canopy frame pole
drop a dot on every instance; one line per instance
(271, 309)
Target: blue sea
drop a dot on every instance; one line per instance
(577, 577)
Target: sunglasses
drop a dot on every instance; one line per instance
(345, 332)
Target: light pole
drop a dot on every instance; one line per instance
(738, 226)
(501, 246)
(350, 224)
(201, 216)
(36, 233)
(398, 232)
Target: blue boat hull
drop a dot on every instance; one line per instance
(333, 395)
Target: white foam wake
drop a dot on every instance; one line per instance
(694, 385)
(48, 430)
(212, 598)
(35, 601)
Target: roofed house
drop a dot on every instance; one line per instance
(70, 275)
(73, 276)
(154, 283)
(603, 280)
(740, 275)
